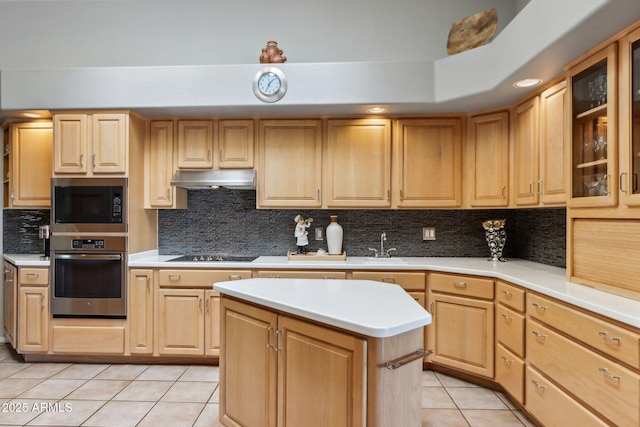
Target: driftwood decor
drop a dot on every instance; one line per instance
(472, 31)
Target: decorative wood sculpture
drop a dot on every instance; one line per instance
(473, 31)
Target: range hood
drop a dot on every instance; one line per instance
(241, 179)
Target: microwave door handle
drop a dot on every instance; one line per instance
(115, 257)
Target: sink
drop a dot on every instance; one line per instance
(385, 261)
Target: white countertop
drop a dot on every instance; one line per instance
(547, 280)
(366, 307)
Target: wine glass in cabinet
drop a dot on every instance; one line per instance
(593, 84)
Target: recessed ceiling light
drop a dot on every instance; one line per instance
(376, 110)
(32, 115)
(527, 82)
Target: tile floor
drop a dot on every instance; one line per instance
(71, 394)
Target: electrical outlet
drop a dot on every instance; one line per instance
(428, 233)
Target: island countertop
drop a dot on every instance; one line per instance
(370, 308)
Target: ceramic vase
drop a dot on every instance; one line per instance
(496, 237)
(334, 235)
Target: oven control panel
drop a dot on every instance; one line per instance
(87, 244)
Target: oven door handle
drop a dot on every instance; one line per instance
(116, 257)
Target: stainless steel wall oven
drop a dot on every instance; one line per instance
(88, 276)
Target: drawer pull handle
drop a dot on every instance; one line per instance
(538, 385)
(329, 277)
(608, 337)
(507, 293)
(460, 284)
(277, 346)
(389, 279)
(234, 277)
(507, 361)
(269, 329)
(408, 358)
(538, 334)
(174, 277)
(33, 275)
(539, 307)
(507, 318)
(608, 375)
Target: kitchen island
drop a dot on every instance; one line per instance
(319, 352)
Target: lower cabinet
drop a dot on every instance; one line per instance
(141, 313)
(33, 325)
(10, 302)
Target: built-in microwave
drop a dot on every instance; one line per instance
(97, 205)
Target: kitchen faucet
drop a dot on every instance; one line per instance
(382, 253)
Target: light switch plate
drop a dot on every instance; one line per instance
(428, 233)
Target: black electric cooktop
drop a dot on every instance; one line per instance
(213, 258)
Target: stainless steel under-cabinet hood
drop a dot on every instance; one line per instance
(241, 179)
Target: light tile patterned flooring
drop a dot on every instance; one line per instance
(71, 394)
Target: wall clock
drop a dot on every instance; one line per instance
(269, 84)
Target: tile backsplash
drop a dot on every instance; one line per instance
(227, 222)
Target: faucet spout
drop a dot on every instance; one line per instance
(383, 237)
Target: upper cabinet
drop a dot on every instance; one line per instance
(90, 144)
(592, 88)
(358, 166)
(487, 151)
(554, 152)
(235, 144)
(428, 163)
(630, 119)
(527, 152)
(160, 166)
(27, 165)
(195, 144)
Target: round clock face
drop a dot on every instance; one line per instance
(269, 84)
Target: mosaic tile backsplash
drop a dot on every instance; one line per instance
(227, 222)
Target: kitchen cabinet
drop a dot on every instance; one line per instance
(603, 372)
(10, 300)
(429, 163)
(487, 167)
(195, 144)
(188, 316)
(358, 166)
(462, 331)
(592, 89)
(33, 321)
(159, 168)
(289, 163)
(554, 152)
(301, 274)
(527, 152)
(235, 144)
(28, 151)
(90, 144)
(141, 311)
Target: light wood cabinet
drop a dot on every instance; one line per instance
(83, 337)
(27, 170)
(510, 338)
(554, 152)
(141, 311)
(10, 301)
(289, 163)
(301, 274)
(488, 159)
(88, 144)
(428, 168)
(358, 166)
(462, 328)
(159, 168)
(33, 324)
(235, 144)
(527, 152)
(195, 144)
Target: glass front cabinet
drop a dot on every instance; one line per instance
(593, 93)
(628, 184)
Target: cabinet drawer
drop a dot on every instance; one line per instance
(510, 373)
(34, 276)
(510, 329)
(604, 336)
(297, 274)
(199, 278)
(461, 285)
(606, 386)
(510, 296)
(552, 406)
(408, 281)
(88, 339)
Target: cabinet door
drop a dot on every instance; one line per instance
(629, 177)
(212, 323)
(141, 311)
(527, 152)
(554, 152)
(109, 143)
(160, 168)
(235, 144)
(461, 333)
(488, 151)
(32, 146)
(181, 321)
(10, 294)
(290, 163)
(430, 163)
(248, 366)
(358, 169)
(195, 144)
(592, 87)
(338, 375)
(33, 328)
(70, 143)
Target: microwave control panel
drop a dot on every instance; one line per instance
(116, 208)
